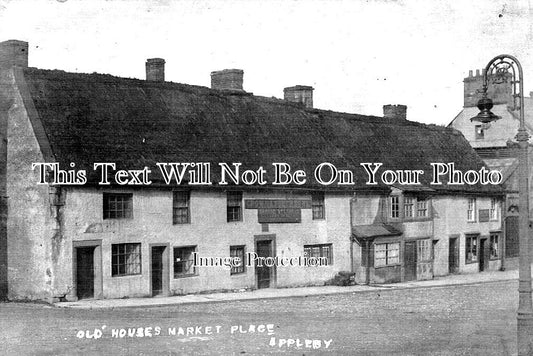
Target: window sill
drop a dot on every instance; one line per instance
(185, 276)
(127, 275)
(238, 274)
(471, 262)
(391, 265)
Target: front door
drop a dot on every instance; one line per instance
(85, 272)
(482, 254)
(262, 272)
(157, 270)
(410, 261)
(453, 255)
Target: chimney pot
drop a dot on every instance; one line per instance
(470, 73)
(395, 112)
(227, 79)
(155, 69)
(13, 53)
(299, 94)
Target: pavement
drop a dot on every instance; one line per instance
(272, 293)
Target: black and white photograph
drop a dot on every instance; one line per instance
(230, 177)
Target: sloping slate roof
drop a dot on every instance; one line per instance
(100, 118)
(361, 232)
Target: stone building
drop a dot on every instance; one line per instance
(130, 238)
(495, 142)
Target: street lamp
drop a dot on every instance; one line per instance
(499, 69)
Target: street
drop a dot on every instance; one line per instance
(453, 320)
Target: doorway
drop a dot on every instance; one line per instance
(410, 261)
(264, 274)
(159, 274)
(453, 255)
(85, 272)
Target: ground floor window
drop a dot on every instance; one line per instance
(386, 254)
(125, 259)
(237, 251)
(322, 250)
(494, 246)
(183, 261)
(471, 248)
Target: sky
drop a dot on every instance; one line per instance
(358, 55)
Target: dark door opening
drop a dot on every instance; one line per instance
(482, 255)
(85, 272)
(453, 256)
(157, 270)
(263, 273)
(410, 261)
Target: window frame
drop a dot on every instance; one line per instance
(479, 132)
(495, 236)
(323, 250)
(126, 206)
(494, 210)
(394, 208)
(181, 205)
(237, 270)
(318, 205)
(471, 212)
(409, 206)
(471, 238)
(125, 256)
(232, 202)
(193, 249)
(395, 259)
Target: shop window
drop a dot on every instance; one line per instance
(494, 246)
(318, 206)
(423, 250)
(125, 259)
(322, 250)
(471, 249)
(180, 207)
(386, 254)
(184, 261)
(118, 206)
(234, 206)
(237, 251)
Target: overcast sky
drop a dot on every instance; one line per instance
(358, 55)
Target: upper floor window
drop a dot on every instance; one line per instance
(395, 207)
(118, 206)
(318, 206)
(471, 212)
(494, 209)
(408, 207)
(180, 207)
(480, 132)
(234, 206)
(421, 208)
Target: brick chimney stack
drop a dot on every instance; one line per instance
(395, 112)
(155, 69)
(227, 79)
(299, 94)
(13, 53)
(500, 92)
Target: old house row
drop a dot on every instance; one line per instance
(112, 241)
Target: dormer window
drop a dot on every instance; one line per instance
(480, 132)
